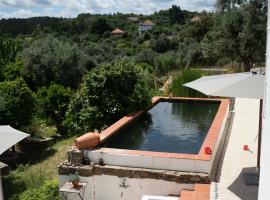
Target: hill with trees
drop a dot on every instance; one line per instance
(46, 62)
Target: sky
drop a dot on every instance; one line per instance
(71, 8)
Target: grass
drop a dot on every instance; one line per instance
(182, 77)
(42, 167)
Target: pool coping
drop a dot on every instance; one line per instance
(209, 141)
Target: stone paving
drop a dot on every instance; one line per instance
(230, 183)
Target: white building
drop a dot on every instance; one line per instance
(146, 25)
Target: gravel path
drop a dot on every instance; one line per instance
(231, 185)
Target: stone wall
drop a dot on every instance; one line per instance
(138, 173)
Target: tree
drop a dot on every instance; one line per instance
(238, 33)
(18, 103)
(108, 93)
(146, 56)
(8, 52)
(53, 103)
(13, 70)
(253, 35)
(176, 15)
(50, 60)
(161, 45)
(189, 52)
(226, 5)
(100, 26)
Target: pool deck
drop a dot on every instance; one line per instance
(230, 183)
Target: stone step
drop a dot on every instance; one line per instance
(201, 192)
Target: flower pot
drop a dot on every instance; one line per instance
(88, 140)
(75, 183)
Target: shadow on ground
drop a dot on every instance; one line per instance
(243, 191)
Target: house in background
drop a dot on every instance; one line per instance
(117, 31)
(146, 25)
(196, 19)
(133, 19)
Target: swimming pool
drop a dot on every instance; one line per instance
(169, 126)
(175, 133)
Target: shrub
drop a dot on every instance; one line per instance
(48, 191)
(107, 94)
(17, 103)
(177, 88)
(13, 70)
(53, 103)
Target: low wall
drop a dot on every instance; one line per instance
(125, 158)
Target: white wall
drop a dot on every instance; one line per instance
(264, 192)
(105, 187)
(112, 157)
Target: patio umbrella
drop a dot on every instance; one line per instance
(242, 85)
(9, 137)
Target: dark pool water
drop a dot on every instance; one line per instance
(174, 127)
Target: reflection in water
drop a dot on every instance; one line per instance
(176, 127)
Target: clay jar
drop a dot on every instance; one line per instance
(87, 141)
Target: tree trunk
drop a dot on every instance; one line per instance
(248, 66)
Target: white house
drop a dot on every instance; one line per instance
(146, 25)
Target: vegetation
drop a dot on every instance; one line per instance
(18, 103)
(107, 94)
(53, 103)
(48, 191)
(29, 178)
(180, 78)
(69, 76)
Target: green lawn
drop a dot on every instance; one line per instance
(42, 167)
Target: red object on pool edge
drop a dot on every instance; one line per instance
(208, 150)
(245, 148)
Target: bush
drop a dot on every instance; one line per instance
(17, 103)
(166, 63)
(53, 103)
(13, 70)
(50, 60)
(107, 94)
(177, 88)
(48, 191)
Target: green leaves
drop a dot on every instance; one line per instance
(53, 103)
(17, 103)
(107, 94)
(50, 60)
(238, 33)
(48, 191)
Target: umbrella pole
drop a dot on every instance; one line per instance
(260, 137)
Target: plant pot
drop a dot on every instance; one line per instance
(88, 140)
(75, 184)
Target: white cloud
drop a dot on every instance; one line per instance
(24, 3)
(21, 13)
(71, 8)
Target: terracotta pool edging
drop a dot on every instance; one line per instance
(210, 140)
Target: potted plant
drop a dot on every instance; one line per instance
(74, 179)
